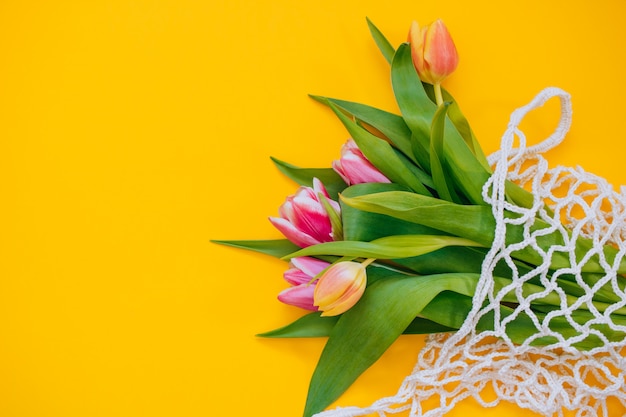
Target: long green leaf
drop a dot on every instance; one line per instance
(391, 247)
(310, 325)
(314, 325)
(416, 107)
(277, 248)
(440, 176)
(381, 41)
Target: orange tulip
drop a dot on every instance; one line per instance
(340, 287)
(433, 51)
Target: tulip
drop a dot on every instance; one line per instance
(355, 168)
(303, 217)
(302, 276)
(340, 287)
(433, 52)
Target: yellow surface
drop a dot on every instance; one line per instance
(132, 132)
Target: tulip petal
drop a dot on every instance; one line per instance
(337, 166)
(308, 265)
(440, 55)
(311, 218)
(416, 40)
(340, 287)
(295, 276)
(292, 233)
(349, 297)
(360, 170)
(299, 296)
(346, 303)
(355, 168)
(318, 187)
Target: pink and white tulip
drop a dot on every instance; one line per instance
(301, 276)
(340, 287)
(303, 218)
(433, 52)
(355, 168)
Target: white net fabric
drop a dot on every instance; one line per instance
(547, 379)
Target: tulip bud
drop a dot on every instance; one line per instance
(303, 217)
(340, 287)
(433, 51)
(355, 168)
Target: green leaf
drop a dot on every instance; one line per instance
(311, 325)
(390, 247)
(381, 41)
(277, 248)
(314, 325)
(420, 325)
(439, 175)
(416, 107)
(304, 176)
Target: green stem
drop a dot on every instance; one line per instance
(368, 261)
(438, 95)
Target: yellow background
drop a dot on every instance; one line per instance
(133, 132)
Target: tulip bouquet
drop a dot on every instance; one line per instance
(397, 236)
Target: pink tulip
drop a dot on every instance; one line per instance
(304, 269)
(433, 51)
(303, 218)
(355, 168)
(340, 287)
(301, 276)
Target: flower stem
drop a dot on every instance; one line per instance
(438, 95)
(368, 261)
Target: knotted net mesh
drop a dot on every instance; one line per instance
(557, 376)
